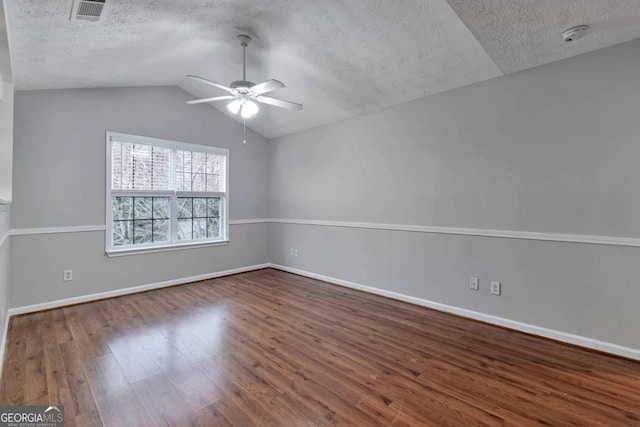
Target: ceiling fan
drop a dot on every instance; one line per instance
(245, 94)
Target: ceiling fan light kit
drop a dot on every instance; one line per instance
(243, 94)
(247, 108)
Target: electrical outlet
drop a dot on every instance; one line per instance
(474, 283)
(496, 288)
(67, 275)
(296, 252)
(291, 252)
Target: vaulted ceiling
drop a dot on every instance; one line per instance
(339, 58)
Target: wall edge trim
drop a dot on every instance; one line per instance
(509, 234)
(249, 221)
(564, 337)
(87, 228)
(56, 230)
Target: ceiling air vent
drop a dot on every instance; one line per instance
(87, 10)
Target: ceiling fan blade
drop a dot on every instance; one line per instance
(217, 98)
(268, 86)
(210, 83)
(279, 103)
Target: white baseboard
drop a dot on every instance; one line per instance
(3, 341)
(119, 292)
(565, 337)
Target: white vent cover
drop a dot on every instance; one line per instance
(88, 10)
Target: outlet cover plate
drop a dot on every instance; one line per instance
(496, 288)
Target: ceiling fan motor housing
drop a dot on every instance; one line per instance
(244, 39)
(242, 86)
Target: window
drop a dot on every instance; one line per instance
(164, 194)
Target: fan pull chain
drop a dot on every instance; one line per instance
(244, 130)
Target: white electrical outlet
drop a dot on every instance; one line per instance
(67, 275)
(496, 288)
(474, 283)
(296, 252)
(291, 252)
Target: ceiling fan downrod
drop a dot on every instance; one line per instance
(244, 42)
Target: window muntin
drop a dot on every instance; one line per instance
(164, 193)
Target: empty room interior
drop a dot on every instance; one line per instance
(317, 213)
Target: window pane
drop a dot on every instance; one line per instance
(213, 183)
(160, 207)
(183, 161)
(179, 160)
(183, 182)
(160, 230)
(216, 167)
(199, 228)
(198, 162)
(213, 207)
(142, 231)
(214, 162)
(122, 233)
(184, 207)
(198, 182)
(142, 207)
(116, 165)
(213, 227)
(200, 207)
(160, 168)
(184, 229)
(139, 167)
(122, 207)
(222, 173)
(125, 171)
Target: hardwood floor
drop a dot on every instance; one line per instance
(272, 348)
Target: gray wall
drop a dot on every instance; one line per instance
(39, 260)
(59, 180)
(6, 139)
(4, 267)
(551, 149)
(59, 153)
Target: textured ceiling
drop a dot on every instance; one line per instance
(525, 33)
(337, 57)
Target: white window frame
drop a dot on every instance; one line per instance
(173, 243)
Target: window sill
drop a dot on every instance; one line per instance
(139, 251)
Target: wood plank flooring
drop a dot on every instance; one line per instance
(272, 348)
